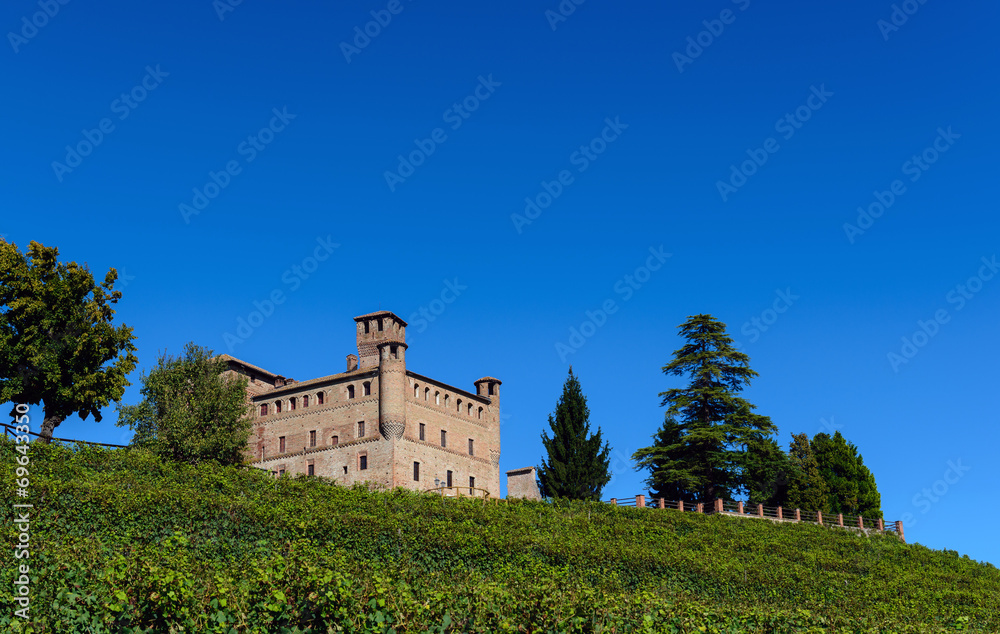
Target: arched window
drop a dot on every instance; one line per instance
(480, 413)
(437, 398)
(263, 409)
(319, 398)
(335, 440)
(446, 397)
(416, 390)
(427, 393)
(458, 406)
(305, 401)
(277, 407)
(470, 410)
(350, 391)
(291, 404)
(368, 388)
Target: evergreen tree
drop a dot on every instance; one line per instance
(852, 489)
(577, 466)
(668, 478)
(766, 473)
(715, 424)
(191, 412)
(58, 346)
(807, 490)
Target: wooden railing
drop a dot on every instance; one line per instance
(773, 513)
(9, 430)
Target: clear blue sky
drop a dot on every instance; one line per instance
(623, 129)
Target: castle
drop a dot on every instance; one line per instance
(377, 421)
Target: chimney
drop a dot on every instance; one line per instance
(352, 362)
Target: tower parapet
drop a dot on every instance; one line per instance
(372, 330)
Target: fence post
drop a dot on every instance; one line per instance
(680, 505)
(614, 501)
(780, 516)
(798, 515)
(699, 507)
(840, 519)
(861, 522)
(739, 507)
(662, 504)
(819, 517)
(881, 526)
(899, 529)
(640, 501)
(718, 505)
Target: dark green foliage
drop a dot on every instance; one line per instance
(669, 477)
(125, 543)
(806, 490)
(715, 424)
(766, 473)
(852, 489)
(190, 411)
(57, 344)
(577, 465)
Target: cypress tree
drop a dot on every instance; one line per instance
(852, 489)
(766, 473)
(577, 466)
(807, 489)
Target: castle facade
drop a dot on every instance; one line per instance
(377, 421)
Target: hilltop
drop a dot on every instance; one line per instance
(123, 542)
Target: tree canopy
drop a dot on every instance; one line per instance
(58, 346)
(192, 411)
(807, 489)
(851, 486)
(578, 466)
(707, 449)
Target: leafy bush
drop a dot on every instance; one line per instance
(123, 542)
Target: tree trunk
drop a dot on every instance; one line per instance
(49, 423)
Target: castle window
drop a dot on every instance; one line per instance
(281, 472)
(470, 409)
(427, 393)
(458, 406)
(480, 413)
(350, 391)
(263, 409)
(291, 404)
(444, 439)
(471, 452)
(253, 379)
(312, 439)
(380, 324)
(368, 388)
(472, 484)
(446, 397)
(262, 452)
(422, 431)
(367, 329)
(361, 429)
(345, 469)
(449, 478)
(305, 401)
(416, 390)
(281, 445)
(310, 469)
(335, 440)
(491, 389)
(319, 398)
(363, 462)
(437, 398)
(416, 472)
(394, 351)
(277, 407)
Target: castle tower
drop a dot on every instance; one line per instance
(374, 329)
(490, 388)
(382, 342)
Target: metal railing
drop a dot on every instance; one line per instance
(9, 430)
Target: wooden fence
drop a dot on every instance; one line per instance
(773, 513)
(9, 430)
